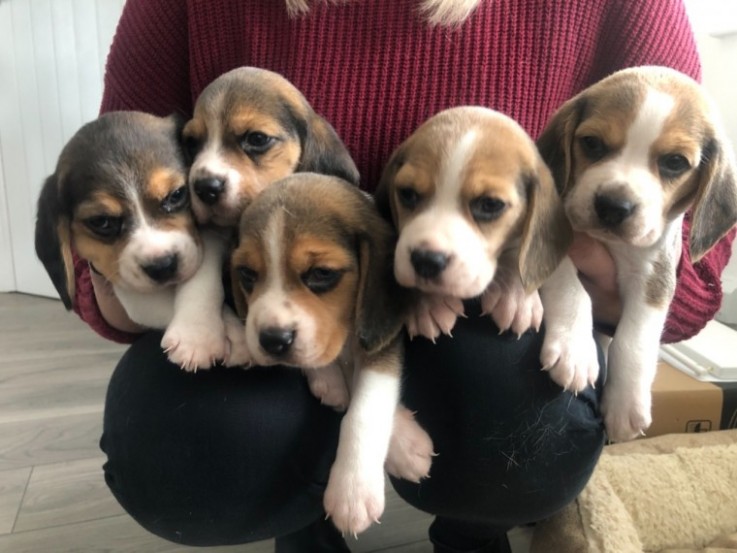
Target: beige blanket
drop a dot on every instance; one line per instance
(670, 494)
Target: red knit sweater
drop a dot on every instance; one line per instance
(376, 70)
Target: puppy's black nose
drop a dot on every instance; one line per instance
(428, 263)
(275, 340)
(209, 189)
(612, 211)
(162, 268)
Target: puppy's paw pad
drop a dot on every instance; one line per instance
(410, 449)
(238, 352)
(572, 364)
(513, 310)
(353, 506)
(625, 422)
(194, 347)
(330, 395)
(433, 316)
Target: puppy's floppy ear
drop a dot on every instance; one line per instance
(239, 298)
(715, 208)
(324, 152)
(556, 142)
(380, 306)
(53, 240)
(177, 122)
(547, 234)
(382, 194)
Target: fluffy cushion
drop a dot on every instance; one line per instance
(669, 494)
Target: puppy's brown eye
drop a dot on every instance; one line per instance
(176, 200)
(247, 278)
(486, 208)
(672, 166)
(408, 197)
(593, 147)
(104, 226)
(255, 143)
(321, 279)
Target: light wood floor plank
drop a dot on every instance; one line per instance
(417, 547)
(37, 388)
(12, 487)
(119, 534)
(66, 493)
(45, 441)
(40, 328)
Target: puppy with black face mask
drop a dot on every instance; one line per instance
(119, 199)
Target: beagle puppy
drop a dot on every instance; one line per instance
(312, 278)
(119, 199)
(251, 127)
(478, 215)
(630, 155)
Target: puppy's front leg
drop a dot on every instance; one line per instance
(196, 336)
(632, 364)
(509, 305)
(433, 315)
(569, 348)
(354, 497)
(410, 449)
(328, 385)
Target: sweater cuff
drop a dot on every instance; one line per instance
(85, 305)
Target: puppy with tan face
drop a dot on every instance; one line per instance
(251, 127)
(312, 277)
(119, 199)
(630, 155)
(478, 215)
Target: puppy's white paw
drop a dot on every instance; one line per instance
(570, 358)
(410, 449)
(328, 385)
(511, 308)
(434, 315)
(238, 353)
(195, 345)
(354, 500)
(626, 416)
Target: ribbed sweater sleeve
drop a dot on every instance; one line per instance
(148, 65)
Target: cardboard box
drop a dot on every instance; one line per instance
(682, 403)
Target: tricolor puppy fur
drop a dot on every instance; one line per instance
(251, 127)
(630, 155)
(312, 277)
(119, 199)
(478, 215)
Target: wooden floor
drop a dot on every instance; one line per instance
(53, 375)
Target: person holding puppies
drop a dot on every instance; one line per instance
(228, 456)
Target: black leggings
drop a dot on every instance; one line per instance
(228, 456)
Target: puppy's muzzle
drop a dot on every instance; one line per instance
(612, 211)
(162, 268)
(209, 189)
(276, 340)
(428, 263)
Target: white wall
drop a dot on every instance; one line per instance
(52, 55)
(719, 57)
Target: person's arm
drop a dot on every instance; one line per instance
(147, 70)
(653, 33)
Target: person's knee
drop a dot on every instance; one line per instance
(216, 457)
